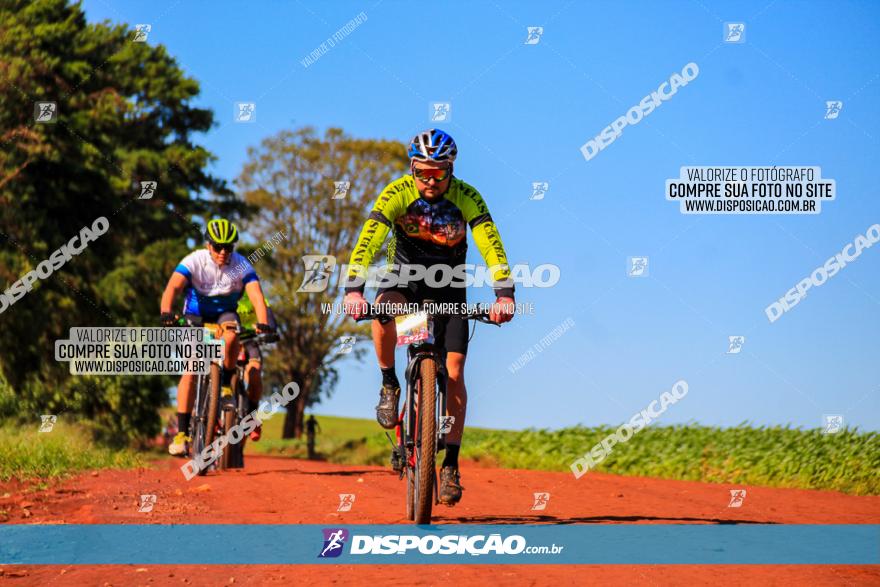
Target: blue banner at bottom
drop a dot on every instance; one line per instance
(102, 544)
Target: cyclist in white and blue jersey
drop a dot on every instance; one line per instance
(213, 280)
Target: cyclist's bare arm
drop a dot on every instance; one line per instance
(174, 287)
(255, 294)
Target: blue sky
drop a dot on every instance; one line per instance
(520, 114)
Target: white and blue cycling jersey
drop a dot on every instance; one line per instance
(211, 289)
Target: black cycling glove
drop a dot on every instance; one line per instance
(264, 328)
(168, 319)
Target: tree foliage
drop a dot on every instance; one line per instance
(289, 181)
(123, 116)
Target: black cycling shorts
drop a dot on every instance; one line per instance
(450, 332)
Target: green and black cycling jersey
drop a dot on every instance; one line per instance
(428, 233)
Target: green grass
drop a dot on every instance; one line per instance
(352, 441)
(29, 455)
(767, 456)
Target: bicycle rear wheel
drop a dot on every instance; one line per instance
(233, 452)
(227, 459)
(213, 404)
(427, 443)
(242, 411)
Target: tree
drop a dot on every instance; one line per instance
(123, 116)
(289, 182)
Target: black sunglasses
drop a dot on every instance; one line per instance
(227, 247)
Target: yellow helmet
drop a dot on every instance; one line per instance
(221, 232)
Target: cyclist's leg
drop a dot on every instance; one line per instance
(253, 372)
(254, 381)
(385, 335)
(456, 396)
(455, 341)
(185, 396)
(384, 341)
(185, 400)
(230, 323)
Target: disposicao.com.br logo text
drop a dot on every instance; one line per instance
(430, 544)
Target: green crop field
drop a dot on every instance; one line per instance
(775, 457)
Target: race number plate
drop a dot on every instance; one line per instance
(414, 328)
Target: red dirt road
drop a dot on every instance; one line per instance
(285, 491)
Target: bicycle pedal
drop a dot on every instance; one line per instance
(396, 461)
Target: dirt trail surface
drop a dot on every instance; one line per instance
(286, 491)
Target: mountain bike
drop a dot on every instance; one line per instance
(205, 413)
(422, 427)
(234, 407)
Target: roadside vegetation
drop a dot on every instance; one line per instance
(28, 455)
(773, 457)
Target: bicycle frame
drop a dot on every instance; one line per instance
(200, 403)
(406, 453)
(416, 353)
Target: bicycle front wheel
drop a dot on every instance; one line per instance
(427, 443)
(197, 422)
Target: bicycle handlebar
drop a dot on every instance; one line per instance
(247, 334)
(260, 338)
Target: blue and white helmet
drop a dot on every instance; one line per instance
(432, 145)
